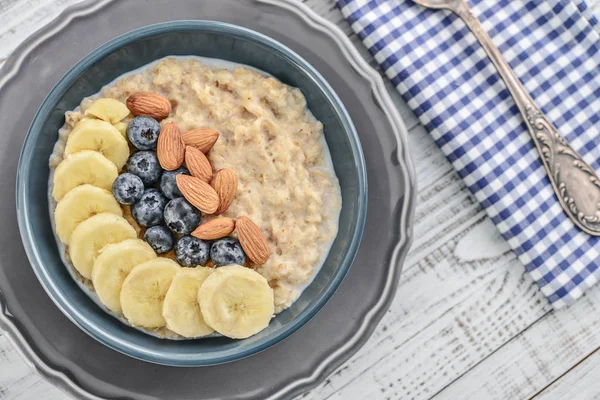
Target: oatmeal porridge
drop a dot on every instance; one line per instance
(283, 189)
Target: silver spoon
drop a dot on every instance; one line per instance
(575, 183)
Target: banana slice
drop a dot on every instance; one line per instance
(181, 309)
(101, 136)
(113, 265)
(78, 205)
(87, 166)
(144, 290)
(122, 127)
(236, 301)
(92, 235)
(109, 110)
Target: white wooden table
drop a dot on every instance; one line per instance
(467, 322)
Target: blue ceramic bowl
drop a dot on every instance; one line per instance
(131, 51)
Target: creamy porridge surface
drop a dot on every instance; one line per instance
(287, 185)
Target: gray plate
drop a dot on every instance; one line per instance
(85, 368)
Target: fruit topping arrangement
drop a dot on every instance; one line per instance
(138, 207)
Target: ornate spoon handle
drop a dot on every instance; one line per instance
(575, 183)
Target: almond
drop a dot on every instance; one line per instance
(214, 229)
(202, 139)
(199, 193)
(225, 184)
(198, 164)
(170, 149)
(151, 104)
(252, 240)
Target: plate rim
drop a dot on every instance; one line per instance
(370, 320)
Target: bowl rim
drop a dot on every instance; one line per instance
(99, 333)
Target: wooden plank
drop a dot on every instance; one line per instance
(18, 381)
(448, 316)
(581, 382)
(537, 357)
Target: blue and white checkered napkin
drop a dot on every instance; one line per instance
(446, 78)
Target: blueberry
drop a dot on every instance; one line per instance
(168, 184)
(145, 165)
(160, 238)
(191, 252)
(127, 188)
(181, 217)
(227, 251)
(143, 132)
(149, 209)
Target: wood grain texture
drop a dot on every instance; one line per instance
(580, 382)
(18, 380)
(537, 357)
(467, 321)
